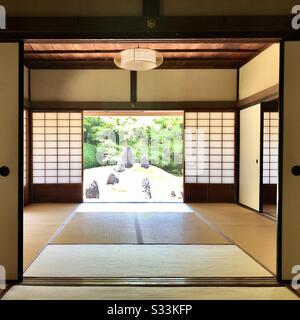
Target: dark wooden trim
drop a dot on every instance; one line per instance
(133, 86)
(270, 194)
(21, 161)
(270, 106)
(262, 96)
(151, 8)
(57, 193)
(184, 105)
(174, 63)
(67, 51)
(280, 164)
(209, 192)
(265, 26)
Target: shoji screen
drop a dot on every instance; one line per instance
(270, 160)
(210, 155)
(25, 144)
(57, 147)
(209, 147)
(26, 158)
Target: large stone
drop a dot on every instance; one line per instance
(145, 163)
(112, 179)
(92, 191)
(128, 157)
(146, 188)
(120, 167)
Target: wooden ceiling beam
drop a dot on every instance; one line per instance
(163, 27)
(40, 52)
(109, 64)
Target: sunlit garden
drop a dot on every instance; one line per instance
(133, 159)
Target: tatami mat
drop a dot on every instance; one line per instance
(92, 227)
(157, 228)
(134, 207)
(183, 228)
(144, 261)
(148, 293)
(41, 221)
(253, 232)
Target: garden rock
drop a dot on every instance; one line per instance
(120, 167)
(128, 157)
(92, 191)
(112, 179)
(146, 188)
(145, 163)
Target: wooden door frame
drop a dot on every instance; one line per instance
(176, 28)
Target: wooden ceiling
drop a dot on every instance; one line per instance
(177, 55)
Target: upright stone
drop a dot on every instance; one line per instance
(146, 188)
(145, 163)
(120, 167)
(128, 157)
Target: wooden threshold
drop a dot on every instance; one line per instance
(143, 281)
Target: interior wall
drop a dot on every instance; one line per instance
(260, 73)
(187, 85)
(290, 150)
(250, 140)
(80, 85)
(9, 89)
(114, 85)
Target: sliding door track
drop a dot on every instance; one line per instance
(144, 281)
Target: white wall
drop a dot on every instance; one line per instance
(250, 130)
(114, 85)
(80, 85)
(260, 73)
(291, 157)
(187, 85)
(9, 86)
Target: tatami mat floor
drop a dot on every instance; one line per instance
(102, 261)
(138, 228)
(217, 223)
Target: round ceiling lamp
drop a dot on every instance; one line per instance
(138, 59)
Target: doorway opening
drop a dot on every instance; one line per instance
(133, 156)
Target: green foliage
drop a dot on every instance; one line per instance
(109, 135)
(90, 160)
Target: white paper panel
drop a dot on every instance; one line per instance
(63, 180)
(38, 180)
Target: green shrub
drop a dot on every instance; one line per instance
(90, 159)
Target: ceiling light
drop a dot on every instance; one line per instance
(138, 59)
